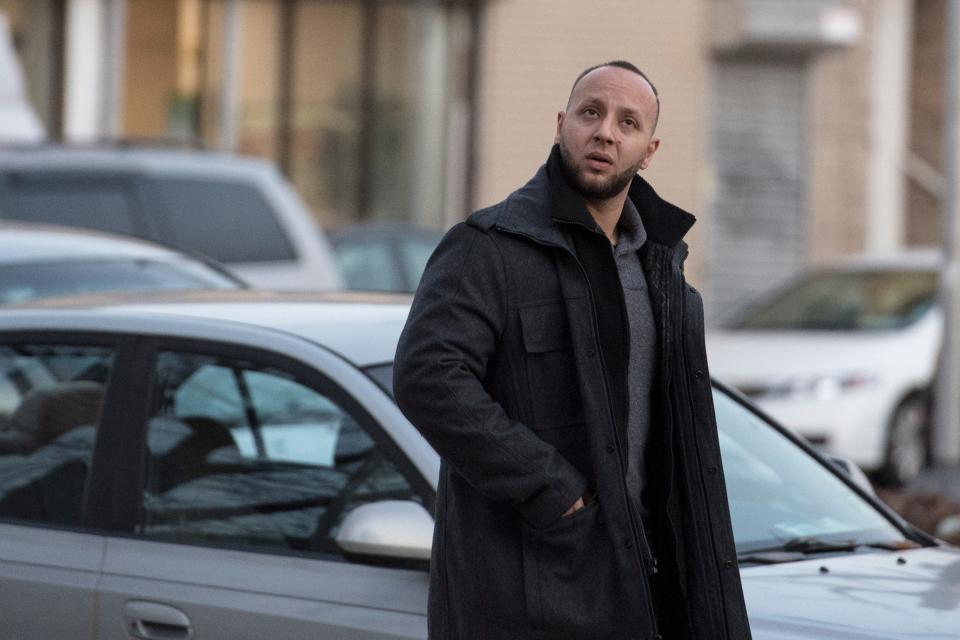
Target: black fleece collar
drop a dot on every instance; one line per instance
(549, 196)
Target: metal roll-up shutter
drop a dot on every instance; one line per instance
(759, 229)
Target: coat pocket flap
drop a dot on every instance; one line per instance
(545, 328)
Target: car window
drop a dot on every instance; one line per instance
(50, 402)
(368, 265)
(28, 281)
(228, 221)
(105, 205)
(241, 454)
(778, 492)
(843, 301)
(414, 255)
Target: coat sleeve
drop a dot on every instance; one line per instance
(458, 315)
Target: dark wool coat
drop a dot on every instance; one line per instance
(513, 365)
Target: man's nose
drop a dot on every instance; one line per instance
(605, 131)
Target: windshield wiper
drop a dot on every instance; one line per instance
(800, 548)
(811, 545)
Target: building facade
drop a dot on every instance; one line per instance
(785, 123)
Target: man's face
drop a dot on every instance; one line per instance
(606, 133)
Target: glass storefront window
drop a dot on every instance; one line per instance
(360, 103)
(37, 30)
(327, 107)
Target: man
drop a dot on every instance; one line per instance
(554, 358)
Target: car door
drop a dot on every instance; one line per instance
(53, 392)
(251, 462)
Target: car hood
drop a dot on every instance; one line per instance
(866, 596)
(745, 356)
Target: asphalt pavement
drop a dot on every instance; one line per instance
(930, 502)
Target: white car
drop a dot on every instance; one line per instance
(237, 210)
(233, 466)
(846, 356)
(44, 261)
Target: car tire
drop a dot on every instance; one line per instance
(908, 440)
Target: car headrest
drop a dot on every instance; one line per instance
(47, 413)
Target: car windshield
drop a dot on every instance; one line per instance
(27, 281)
(778, 492)
(843, 301)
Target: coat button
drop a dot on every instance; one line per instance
(628, 544)
(698, 374)
(609, 448)
(711, 469)
(728, 564)
(591, 354)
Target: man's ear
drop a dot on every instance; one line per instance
(652, 147)
(556, 137)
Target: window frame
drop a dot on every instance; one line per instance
(103, 506)
(304, 374)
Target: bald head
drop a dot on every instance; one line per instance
(627, 66)
(606, 133)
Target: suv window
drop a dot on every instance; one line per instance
(248, 455)
(228, 221)
(50, 402)
(71, 200)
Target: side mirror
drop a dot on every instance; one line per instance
(855, 473)
(388, 533)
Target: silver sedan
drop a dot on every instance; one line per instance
(232, 465)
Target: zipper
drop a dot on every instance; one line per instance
(648, 563)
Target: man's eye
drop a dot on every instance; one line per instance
(631, 123)
(590, 111)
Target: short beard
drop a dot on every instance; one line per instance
(595, 191)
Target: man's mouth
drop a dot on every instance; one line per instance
(598, 160)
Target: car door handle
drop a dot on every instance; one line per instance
(155, 621)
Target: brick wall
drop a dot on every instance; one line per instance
(533, 49)
(839, 119)
(926, 122)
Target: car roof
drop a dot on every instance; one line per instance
(21, 242)
(127, 159)
(361, 327)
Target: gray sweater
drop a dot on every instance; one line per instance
(643, 352)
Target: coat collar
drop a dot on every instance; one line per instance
(549, 198)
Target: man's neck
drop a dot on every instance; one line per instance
(607, 214)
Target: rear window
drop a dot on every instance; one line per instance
(105, 205)
(228, 221)
(368, 265)
(29, 281)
